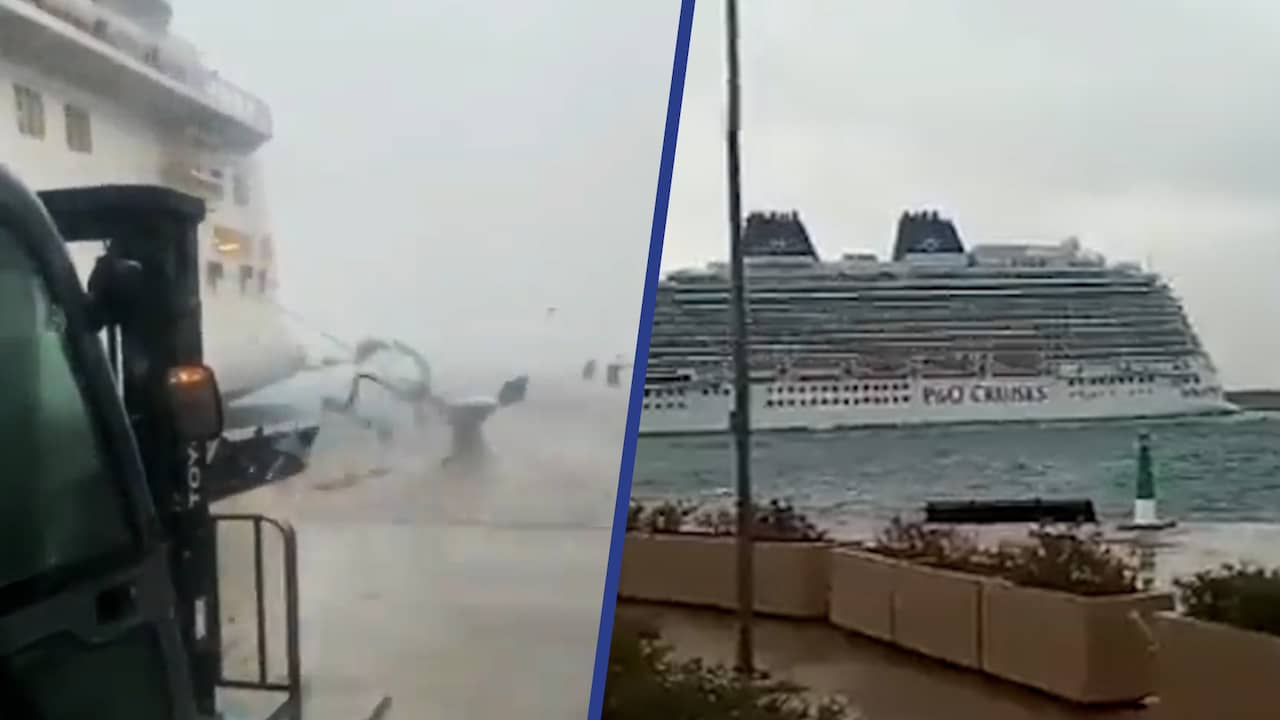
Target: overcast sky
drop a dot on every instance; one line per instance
(445, 171)
(1148, 128)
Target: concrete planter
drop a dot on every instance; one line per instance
(1088, 650)
(790, 577)
(939, 613)
(1207, 670)
(931, 611)
(862, 587)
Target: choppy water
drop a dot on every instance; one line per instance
(1209, 470)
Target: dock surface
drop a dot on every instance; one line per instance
(879, 682)
(455, 594)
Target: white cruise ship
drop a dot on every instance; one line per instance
(936, 334)
(98, 92)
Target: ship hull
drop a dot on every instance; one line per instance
(828, 405)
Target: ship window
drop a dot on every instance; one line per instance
(240, 188)
(213, 274)
(30, 109)
(79, 130)
(246, 275)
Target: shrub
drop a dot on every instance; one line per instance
(644, 682)
(635, 516)
(776, 520)
(937, 546)
(1243, 596)
(1054, 559)
(665, 517)
(1067, 561)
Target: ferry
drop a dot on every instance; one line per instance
(100, 92)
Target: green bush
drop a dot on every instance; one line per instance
(1243, 596)
(644, 683)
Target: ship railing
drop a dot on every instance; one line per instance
(142, 46)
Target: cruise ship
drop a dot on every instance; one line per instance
(938, 333)
(97, 92)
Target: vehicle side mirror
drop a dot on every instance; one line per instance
(195, 403)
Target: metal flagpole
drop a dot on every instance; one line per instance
(739, 420)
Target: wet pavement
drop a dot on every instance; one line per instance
(455, 593)
(878, 681)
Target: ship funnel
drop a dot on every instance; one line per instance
(925, 232)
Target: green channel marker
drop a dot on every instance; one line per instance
(1144, 501)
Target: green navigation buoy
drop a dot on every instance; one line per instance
(1145, 516)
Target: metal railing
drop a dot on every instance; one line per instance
(292, 705)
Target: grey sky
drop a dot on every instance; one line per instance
(446, 171)
(1148, 128)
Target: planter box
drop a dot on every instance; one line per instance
(931, 611)
(1206, 670)
(790, 577)
(862, 585)
(1084, 649)
(939, 613)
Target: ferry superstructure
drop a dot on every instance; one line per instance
(100, 92)
(935, 334)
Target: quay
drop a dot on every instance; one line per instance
(422, 586)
